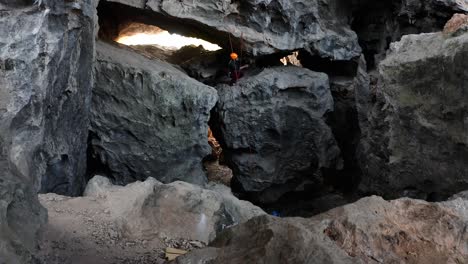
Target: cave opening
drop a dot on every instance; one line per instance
(132, 26)
(134, 34)
(201, 51)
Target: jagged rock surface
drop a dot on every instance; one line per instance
(371, 230)
(273, 131)
(390, 20)
(46, 77)
(415, 140)
(148, 118)
(176, 210)
(45, 87)
(266, 26)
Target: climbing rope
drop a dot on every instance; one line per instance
(241, 49)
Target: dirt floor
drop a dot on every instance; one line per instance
(81, 231)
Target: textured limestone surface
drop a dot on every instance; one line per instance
(390, 20)
(266, 26)
(415, 140)
(371, 230)
(46, 55)
(46, 58)
(148, 118)
(272, 127)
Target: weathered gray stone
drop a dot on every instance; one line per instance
(371, 230)
(455, 5)
(462, 195)
(177, 210)
(415, 143)
(46, 57)
(148, 118)
(378, 23)
(272, 127)
(21, 215)
(266, 26)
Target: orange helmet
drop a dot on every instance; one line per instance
(233, 56)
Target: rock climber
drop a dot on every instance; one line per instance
(235, 69)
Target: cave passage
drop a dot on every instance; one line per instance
(132, 26)
(217, 171)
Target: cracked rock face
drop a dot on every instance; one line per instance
(371, 230)
(46, 59)
(45, 86)
(148, 118)
(416, 143)
(272, 128)
(266, 26)
(390, 20)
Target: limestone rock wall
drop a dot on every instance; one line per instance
(46, 60)
(46, 55)
(415, 140)
(390, 20)
(266, 26)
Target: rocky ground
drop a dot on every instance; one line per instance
(370, 230)
(135, 223)
(85, 233)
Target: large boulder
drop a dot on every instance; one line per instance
(265, 26)
(415, 141)
(176, 210)
(371, 230)
(273, 131)
(46, 60)
(148, 118)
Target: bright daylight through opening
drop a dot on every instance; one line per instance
(166, 40)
